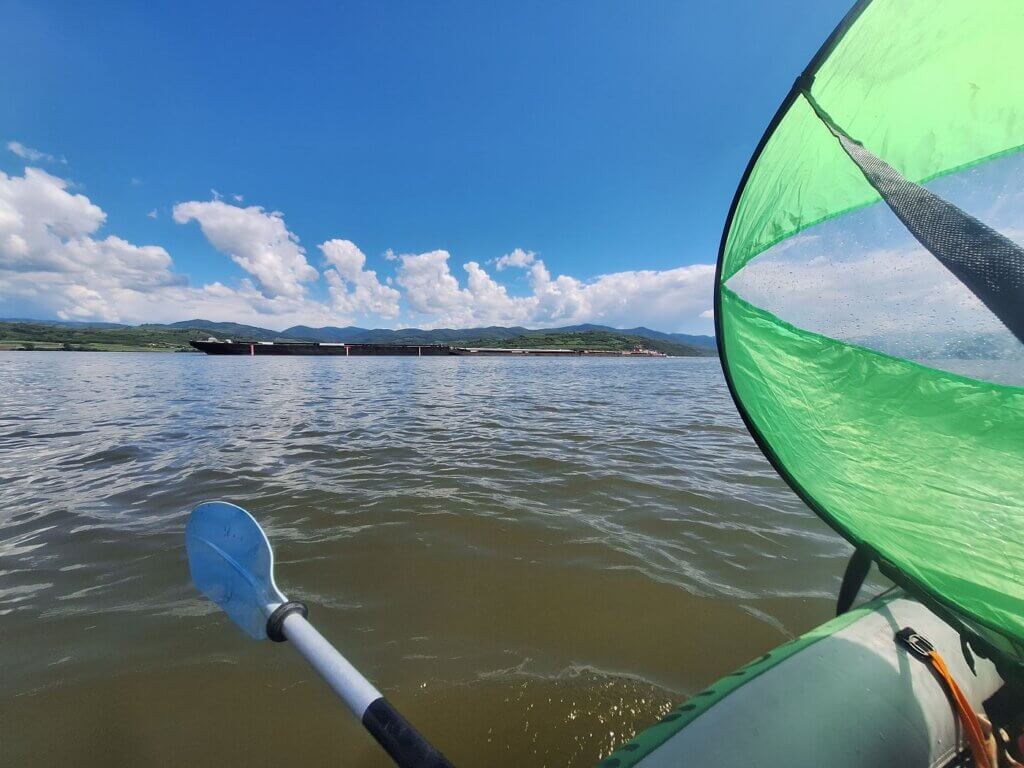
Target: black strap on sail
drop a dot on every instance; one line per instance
(853, 579)
(988, 263)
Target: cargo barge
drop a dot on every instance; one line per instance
(335, 349)
(215, 347)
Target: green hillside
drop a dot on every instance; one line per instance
(40, 336)
(168, 338)
(603, 340)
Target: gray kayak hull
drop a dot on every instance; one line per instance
(845, 695)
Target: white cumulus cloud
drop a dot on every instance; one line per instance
(255, 239)
(667, 299)
(355, 290)
(518, 258)
(52, 258)
(48, 250)
(430, 287)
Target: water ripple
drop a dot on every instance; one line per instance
(441, 513)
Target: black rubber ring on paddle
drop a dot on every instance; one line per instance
(275, 622)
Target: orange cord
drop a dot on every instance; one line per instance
(968, 717)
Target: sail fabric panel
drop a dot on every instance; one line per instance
(923, 466)
(928, 87)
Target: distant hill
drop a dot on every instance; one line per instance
(49, 334)
(679, 338)
(646, 333)
(593, 339)
(357, 335)
(327, 333)
(63, 323)
(111, 338)
(221, 330)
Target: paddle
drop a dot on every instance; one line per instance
(232, 564)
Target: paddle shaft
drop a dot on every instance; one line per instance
(393, 732)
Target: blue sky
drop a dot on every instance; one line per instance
(604, 140)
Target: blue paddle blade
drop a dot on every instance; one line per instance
(232, 564)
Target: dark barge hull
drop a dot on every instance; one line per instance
(319, 350)
(409, 350)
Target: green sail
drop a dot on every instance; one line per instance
(921, 466)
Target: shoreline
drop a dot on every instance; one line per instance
(526, 352)
(26, 336)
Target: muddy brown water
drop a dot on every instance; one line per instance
(531, 558)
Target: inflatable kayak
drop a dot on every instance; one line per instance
(844, 695)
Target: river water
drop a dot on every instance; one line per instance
(532, 558)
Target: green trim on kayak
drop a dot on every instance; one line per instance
(648, 740)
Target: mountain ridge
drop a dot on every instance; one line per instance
(358, 335)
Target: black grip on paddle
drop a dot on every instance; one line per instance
(398, 737)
